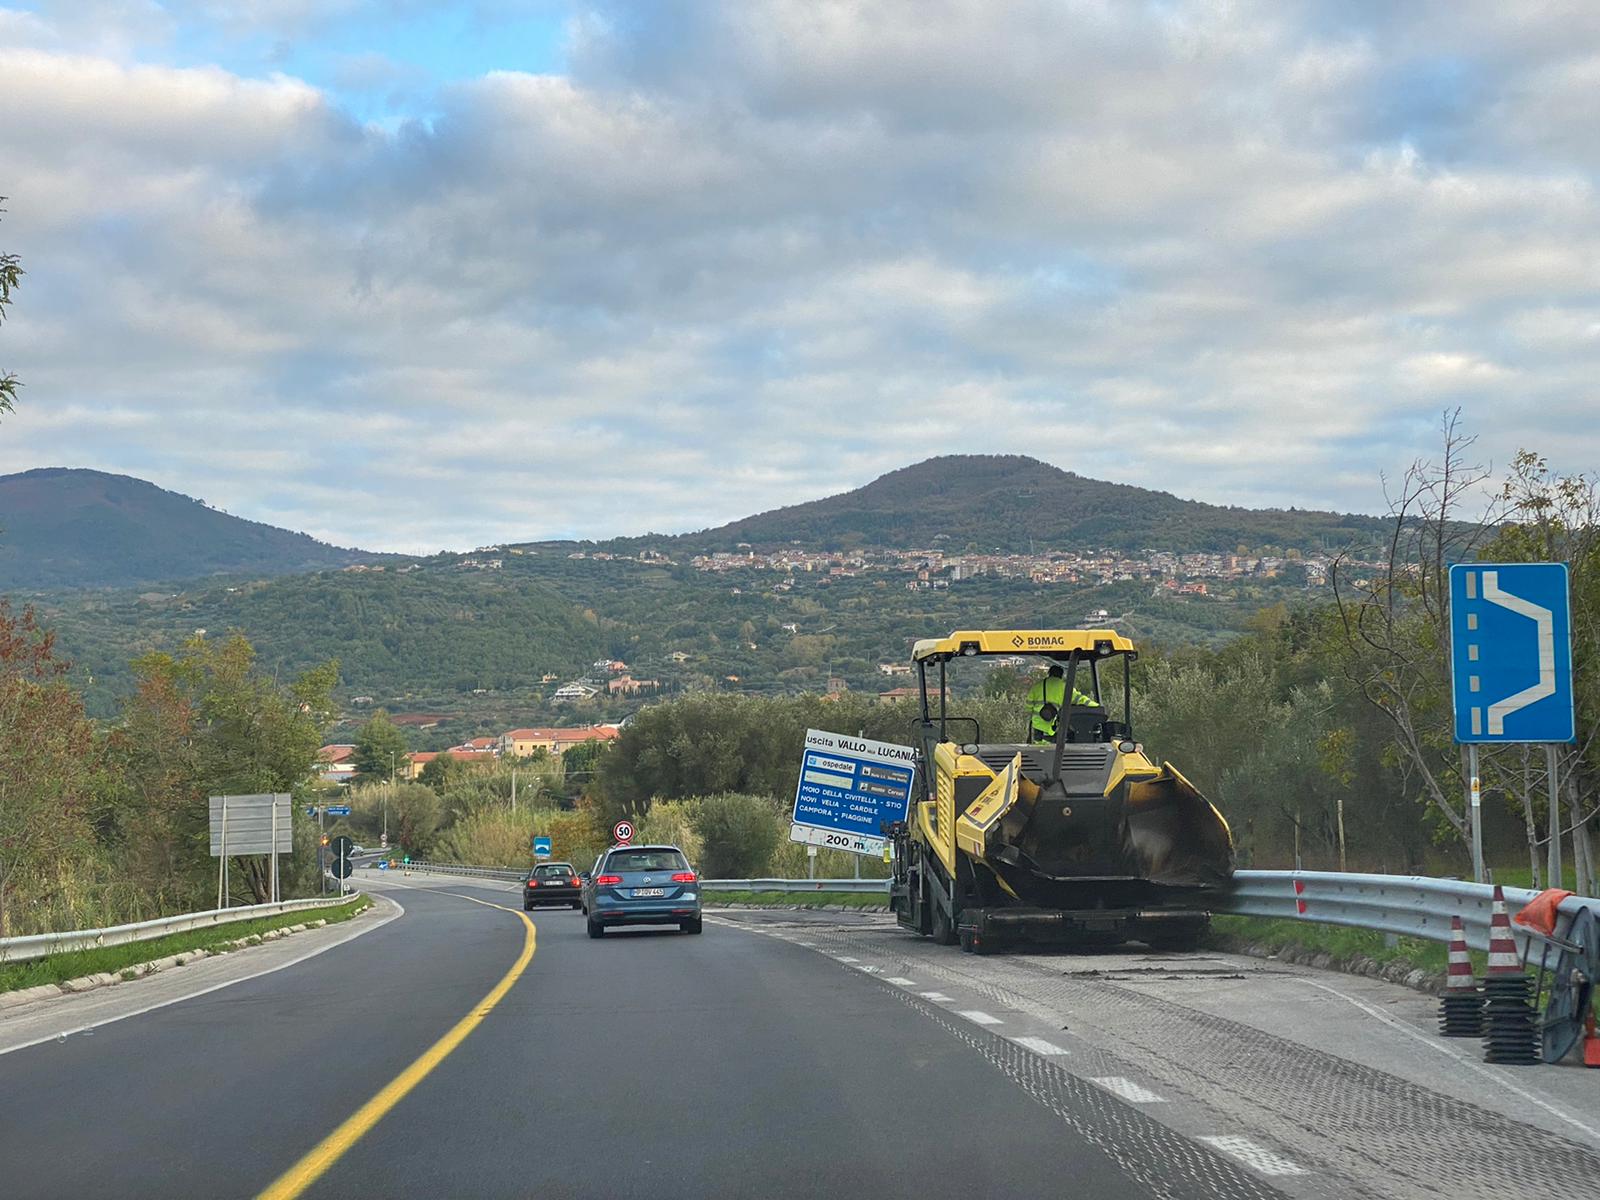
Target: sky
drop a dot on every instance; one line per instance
(414, 276)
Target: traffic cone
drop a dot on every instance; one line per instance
(1509, 1036)
(1461, 1006)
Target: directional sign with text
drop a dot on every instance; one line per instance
(850, 788)
(338, 810)
(1511, 652)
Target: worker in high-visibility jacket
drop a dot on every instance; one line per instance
(1046, 699)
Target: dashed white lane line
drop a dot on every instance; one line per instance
(869, 968)
(845, 958)
(937, 997)
(1038, 1045)
(1257, 1158)
(1127, 1089)
(979, 1018)
(900, 981)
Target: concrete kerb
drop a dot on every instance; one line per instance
(87, 983)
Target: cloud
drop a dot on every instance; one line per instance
(740, 255)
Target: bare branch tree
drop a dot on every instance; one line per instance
(1395, 615)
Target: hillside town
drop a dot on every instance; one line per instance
(339, 758)
(937, 568)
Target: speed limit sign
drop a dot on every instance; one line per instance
(622, 831)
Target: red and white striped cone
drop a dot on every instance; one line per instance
(1461, 1006)
(1503, 957)
(1509, 1036)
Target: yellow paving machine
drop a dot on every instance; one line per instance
(1075, 838)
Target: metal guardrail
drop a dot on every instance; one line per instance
(42, 945)
(433, 868)
(800, 886)
(1405, 905)
(706, 885)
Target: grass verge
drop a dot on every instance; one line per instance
(1413, 961)
(797, 899)
(58, 968)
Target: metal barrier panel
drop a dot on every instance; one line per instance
(42, 945)
(1405, 905)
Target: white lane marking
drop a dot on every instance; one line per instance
(845, 958)
(979, 1018)
(900, 981)
(1501, 1077)
(936, 997)
(869, 968)
(1257, 1158)
(216, 987)
(1038, 1045)
(1128, 1090)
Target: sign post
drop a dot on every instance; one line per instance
(850, 789)
(1511, 675)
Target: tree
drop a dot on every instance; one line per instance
(46, 758)
(1556, 518)
(1396, 620)
(380, 748)
(738, 834)
(10, 279)
(247, 734)
(415, 813)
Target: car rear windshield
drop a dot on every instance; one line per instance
(552, 872)
(647, 860)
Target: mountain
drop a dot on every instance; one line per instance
(1012, 501)
(64, 527)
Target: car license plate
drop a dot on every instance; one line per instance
(641, 893)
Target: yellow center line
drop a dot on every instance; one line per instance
(308, 1170)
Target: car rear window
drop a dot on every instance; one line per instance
(646, 860)
(552, 872)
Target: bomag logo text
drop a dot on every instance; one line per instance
(1046, 641)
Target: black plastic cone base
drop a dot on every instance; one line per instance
(1461, 1015)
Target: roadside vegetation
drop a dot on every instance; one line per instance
(75, 964)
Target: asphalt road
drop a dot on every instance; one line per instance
(645, 1064)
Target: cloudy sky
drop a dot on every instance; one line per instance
(414, 275)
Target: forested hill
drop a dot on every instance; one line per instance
(66, 528)
(1003, 501)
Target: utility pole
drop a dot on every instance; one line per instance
(386, 795)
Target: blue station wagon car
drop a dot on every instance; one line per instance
(642, 885)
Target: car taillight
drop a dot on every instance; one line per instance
(684, 877)
(533, 883)
(607, 880)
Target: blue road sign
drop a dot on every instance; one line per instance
(1511, 652)
(311, 811)
(852, 787)
(541, 847)
(338, 810)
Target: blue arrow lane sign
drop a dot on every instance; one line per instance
(1511, 652)
(338, 810)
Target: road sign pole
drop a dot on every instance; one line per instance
(1475, 812)
(1554, 862)
(222, 859)
(272, 883)
(322, 855)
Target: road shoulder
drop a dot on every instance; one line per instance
(64, 1014)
